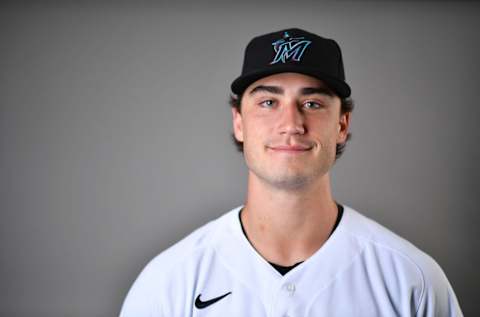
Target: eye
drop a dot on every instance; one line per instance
(312, 105)
(267, 103)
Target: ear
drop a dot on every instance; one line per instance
(343, 127)
(237, 124)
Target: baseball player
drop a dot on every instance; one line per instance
(291, 249)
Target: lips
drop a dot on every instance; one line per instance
(290, 148)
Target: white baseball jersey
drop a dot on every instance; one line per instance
(363, 269)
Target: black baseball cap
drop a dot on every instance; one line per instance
(293, 50)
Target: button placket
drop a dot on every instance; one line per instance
(285, 301)
(290, 288)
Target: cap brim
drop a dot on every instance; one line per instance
(340, 87)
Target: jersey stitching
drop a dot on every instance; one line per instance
(405, 256)
(420, 271)
(422, 296)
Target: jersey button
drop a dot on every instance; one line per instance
(290, 288)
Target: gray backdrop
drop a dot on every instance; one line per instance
(115, 135)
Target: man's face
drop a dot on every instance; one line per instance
(290, 125)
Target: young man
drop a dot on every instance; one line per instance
(291, 250)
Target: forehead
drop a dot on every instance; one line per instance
(288, 82)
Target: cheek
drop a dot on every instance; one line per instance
(325, 134)
(252, 140)
(255, 129)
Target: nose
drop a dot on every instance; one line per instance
(291, 120)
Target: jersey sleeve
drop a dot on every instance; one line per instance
(438, 298)
(144, 297)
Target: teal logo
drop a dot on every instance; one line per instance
(289, 48)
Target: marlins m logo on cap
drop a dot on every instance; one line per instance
(293, 50)
(289, 48)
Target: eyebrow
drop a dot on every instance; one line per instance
(304, 91)
(272, 89)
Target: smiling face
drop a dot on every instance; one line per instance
(289, 125)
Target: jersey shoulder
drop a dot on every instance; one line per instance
(410, 266)
(174, 266)
(188, 249)
(385, 240)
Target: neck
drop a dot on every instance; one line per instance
(287, 227)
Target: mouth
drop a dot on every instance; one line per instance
(291, 149)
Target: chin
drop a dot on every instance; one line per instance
(291, 182)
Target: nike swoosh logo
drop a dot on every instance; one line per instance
(202, 304)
